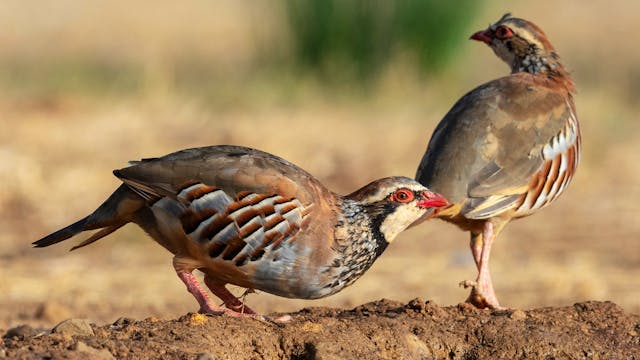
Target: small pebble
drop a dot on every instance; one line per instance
(198, 319)
(74, 327)
(518, 315)
(21, 332)
(205, 356)
(94, 353)
(283, 319)
(122, 321)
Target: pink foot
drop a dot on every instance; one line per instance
(230, 301)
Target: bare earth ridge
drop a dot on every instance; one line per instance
(378, 330)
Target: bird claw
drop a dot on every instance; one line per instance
(478, 298)
(211, 312)
(468, 284)
(283, 319)
(278, 322)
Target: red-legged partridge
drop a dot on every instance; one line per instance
(507, 148)
(245, 217)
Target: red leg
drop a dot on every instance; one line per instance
(230, 301)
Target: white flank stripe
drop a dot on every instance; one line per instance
(253, 241)
(541, 199)
(547, 152)
(249, 197)
(281, 228)
(270, 217)
(525, 204)
(196, 234)
(255, 220)
(216, 199)
(563, 163)
(268, 201)
(230, 231)
(183, 194)
(279, 207)
(559, 184)
(564, 184)
(239, 212)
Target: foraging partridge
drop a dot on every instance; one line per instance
(507, 148)
(245, 217)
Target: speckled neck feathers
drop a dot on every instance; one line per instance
(536, 62)
(359, 242)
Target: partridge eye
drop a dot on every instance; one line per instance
(402, 195)
(503, 32)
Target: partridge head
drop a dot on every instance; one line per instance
(524, 47)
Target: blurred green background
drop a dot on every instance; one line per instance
(336, 42)
(349, 90)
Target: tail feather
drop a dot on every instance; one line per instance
(115, 212)
(97, 236)
(63, 234)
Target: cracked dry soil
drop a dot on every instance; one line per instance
(379, 330)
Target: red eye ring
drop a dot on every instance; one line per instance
(503, 32)
(402, 196)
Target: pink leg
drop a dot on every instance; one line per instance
(476, 248)
(206, 305)
(230, 301)
(482, 293)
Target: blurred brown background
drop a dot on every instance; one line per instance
(88, 85)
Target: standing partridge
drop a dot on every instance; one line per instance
(249, 218)
(507, 148)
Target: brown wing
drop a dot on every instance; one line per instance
(488, 148)
(233, 201)
(234, 169)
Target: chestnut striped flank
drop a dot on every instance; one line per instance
(186, 184)
(251, 200)
(242, 194)
(269, 226)
(200, 217)
(212, 227)
(241, 228)
(191, 220)
(234, 246)
(196, 191)
(562, 156)
(200, 197)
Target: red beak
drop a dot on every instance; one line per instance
(432, 200)
(484, 36)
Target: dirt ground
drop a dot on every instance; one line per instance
(379, 330)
